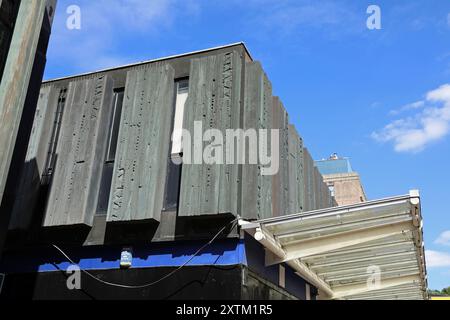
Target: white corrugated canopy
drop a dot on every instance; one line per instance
(368, 251)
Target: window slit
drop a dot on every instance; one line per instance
(54, 138)
(110, 156)
(174, 165)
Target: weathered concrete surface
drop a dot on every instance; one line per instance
(295, 186)
(280, 196)
(137, 190)
(257, 188)
(80, 153)
(224, 94)
(8, 15)
(16, 77)
(19, 88)
(36, 158)
(308, 169)
(215, 101)
(316, 192)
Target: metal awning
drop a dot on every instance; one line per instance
(373, 250)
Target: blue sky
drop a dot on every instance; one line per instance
(376, 96)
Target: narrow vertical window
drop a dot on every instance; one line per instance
(182, 88)
(108, 166)
(51, 156)
(174, 166)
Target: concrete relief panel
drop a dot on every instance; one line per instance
(36, 158)
(80, 151)
(295, 203)
(258, 101)
(215, 103)
(280, 180)
(308, 171)
(137, 190)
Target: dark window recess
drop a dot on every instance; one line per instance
(108, 167)
(173, 181)
(51, 156)
(174, 166)
(105, 188)
(114, 126)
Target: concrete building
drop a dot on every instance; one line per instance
(24, 35)
(104, 186)
(99, 175)
(344, 183)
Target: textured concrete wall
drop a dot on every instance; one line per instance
(225, 92)
(137, 190)
(308, 166)
(81, 149)
(256, 188)
(36, 158)
(16, 76)
(215, 101)
(295, 186)
(8, 15)
(19, 89)
(280, 121)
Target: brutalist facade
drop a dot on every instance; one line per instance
(102, 173)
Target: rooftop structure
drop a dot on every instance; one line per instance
(334, 165)
(344, 183)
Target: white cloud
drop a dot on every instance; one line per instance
(408, 107)
(416, 132)
(444, 238)
(104, 26)
(437, 259)
(294, 18)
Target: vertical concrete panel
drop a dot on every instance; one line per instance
(284, 145)
(16, 77)
(301, 177)
(36, 157)
(306, 204)
(266, 124)
(310, 203)
(251, 184)
(257, 188)
(276, 179)
(137, 190)
(19, 91)
(214, 102)
(296, 178)
(280, 180)
(317, 188)
(80, 153)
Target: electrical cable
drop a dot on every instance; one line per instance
(232, 223)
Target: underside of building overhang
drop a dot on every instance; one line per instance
(368, 251)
